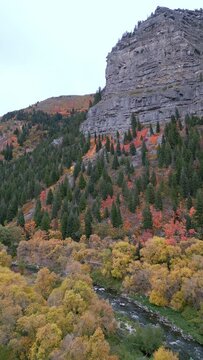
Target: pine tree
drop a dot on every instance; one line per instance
(158, 201)
(38, 213)
(153, 178)
(134, 125)
(21, 219)
(189, 202)
(115, 163)
(151, 130)
(144, 153)
(139, 125)
(120, 178)
(112, 149)
(108, 145)
(82, 182)
(132, 203)
(88, 223)
(130, 138)
(56, 204)
(184, 184)
(115, 216)
(147, 218)
(150, 194)
(45, 223)
(82, 203)
(132, 149)
(199, 208)
(49, 197)
(118, 148)
(157, 127)
(89, 168)
(188, 222)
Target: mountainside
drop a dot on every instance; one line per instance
(64, 105)
(151, 71)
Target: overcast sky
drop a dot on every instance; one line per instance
(59, 47)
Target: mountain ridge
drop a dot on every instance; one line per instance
(151, 71)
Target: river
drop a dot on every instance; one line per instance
(187, 349)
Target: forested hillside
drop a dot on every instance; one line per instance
(126, 210)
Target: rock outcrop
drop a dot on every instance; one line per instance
(151, 71)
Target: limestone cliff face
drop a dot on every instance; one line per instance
(152, 71)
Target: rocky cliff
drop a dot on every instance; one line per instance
(151, 71)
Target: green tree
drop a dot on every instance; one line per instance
(88, 223)
(38, 213)
(134, 125)
(116, 218)
(115, 163)
(132, 149)
(144, 153)
(50, 197)
(120, 178)
(64, 222)
(151, 130)
(82, 182)
(199, 208)
(157, 127)
(158, 201)
(150, 194)
(21, 219)
(147, 218)
(45, 223)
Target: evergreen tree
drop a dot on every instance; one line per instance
(144, 153)
(157, 127)
(56, 204)
(153, 178)
(77, 169)
(64, 222)
(82, 203)
(158, 201)
(188, 222)
(132, 203)
(150, 194)
(130, 138)
(151, 130)
(132, 149)
(21, 219)
(38, 213)
(147, 218)
(96, 210)
(49, 197)
(112, 149)
(108, 144)
(184, 184)
(45, 223)
(73, 226)
(115, 216)
(120, 178)
(118, 148)
(82, 182)
(115, 163)
(199, 208)
(88, 223)
(89, 168)
(139, 125)
(134, 125)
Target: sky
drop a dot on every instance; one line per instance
(59, 47)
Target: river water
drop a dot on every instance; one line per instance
(187, 349)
